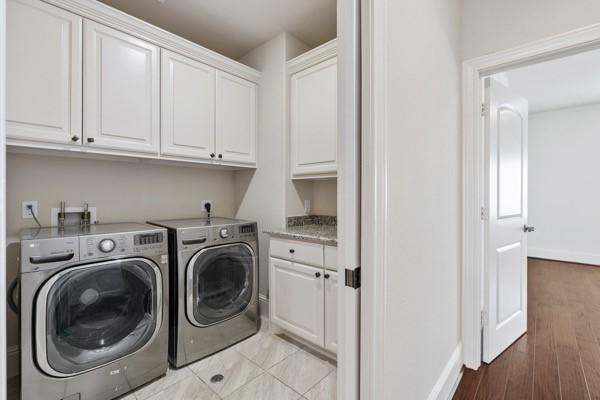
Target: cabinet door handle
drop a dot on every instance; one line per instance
(212, 155)
(327, 276)
(74, 138)
(220, 155)
(90, 140)
(318, 274)
(292, 251)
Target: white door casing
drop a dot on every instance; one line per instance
(121, 91)
(187, 107)
(236, 119)
(297, 299)
(505, 272)
(44, 70)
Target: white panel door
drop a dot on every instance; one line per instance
(296, 299)
(313, 120)
(187, 107)
(236, 120)
(121, 91)
(505, 285)
(43, 73)
(331, 313)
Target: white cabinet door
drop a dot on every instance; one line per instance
(313, 120)
(121, 91)
(296, 301)
(331, 293)
(43, 67)
(187, 107)
(236, 120)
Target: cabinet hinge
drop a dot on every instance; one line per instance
(484, 319)
(485, 215)
(353, 278)
(484, 110)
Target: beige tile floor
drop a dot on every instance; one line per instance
(263, 367)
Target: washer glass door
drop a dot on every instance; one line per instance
(90, 315)
(219, 283)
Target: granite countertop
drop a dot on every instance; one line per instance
(313, 229)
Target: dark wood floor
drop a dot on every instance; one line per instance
(559, 357)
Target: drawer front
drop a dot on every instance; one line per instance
(303, 252)
(331, 261)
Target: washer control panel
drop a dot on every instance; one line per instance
(113, 245)
(106, 245)
(103, 246)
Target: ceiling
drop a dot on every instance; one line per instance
(560, 83)
(234, 27)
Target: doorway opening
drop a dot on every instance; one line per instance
(531, 261)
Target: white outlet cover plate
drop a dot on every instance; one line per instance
(26, 213)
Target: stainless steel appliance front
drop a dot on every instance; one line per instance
(214, 285)
(93, 312)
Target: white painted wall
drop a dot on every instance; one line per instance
(492, 25)
(267, 194)
(324, 197)
(419, 116)
(121, 191)
(564, 194)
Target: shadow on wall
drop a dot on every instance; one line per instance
(12, 319)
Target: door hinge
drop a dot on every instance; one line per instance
(353, 278)
(484, 109)
(484, 319)
(485, 214)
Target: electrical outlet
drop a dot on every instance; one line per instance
(204, 205)
(27, 212)
(307, 206)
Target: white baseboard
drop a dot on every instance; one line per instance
(448, 381)
(560, 255)
(13, 360)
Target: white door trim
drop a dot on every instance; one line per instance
(3, 197)
(473, 165)
(373, 197)
(348, 197)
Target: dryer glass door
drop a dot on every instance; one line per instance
(90, 315)
(219, 283)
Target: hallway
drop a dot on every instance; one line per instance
(559, 357)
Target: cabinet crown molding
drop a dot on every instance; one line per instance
(106, 15)
(318, 54)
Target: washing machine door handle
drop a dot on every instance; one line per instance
(51, 259)
(193, 241)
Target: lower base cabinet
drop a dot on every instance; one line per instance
(303, 301)
(297, 299)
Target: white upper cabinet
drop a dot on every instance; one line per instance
(236, 120)
(313, 113)
(187, 108)
(43, 73)
(121, 91)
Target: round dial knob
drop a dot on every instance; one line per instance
(106, 245)
(224, 233)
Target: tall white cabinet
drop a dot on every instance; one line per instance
(121, 90)
(313, 113)
(236, 119)
(43, 66)
(188, 107)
